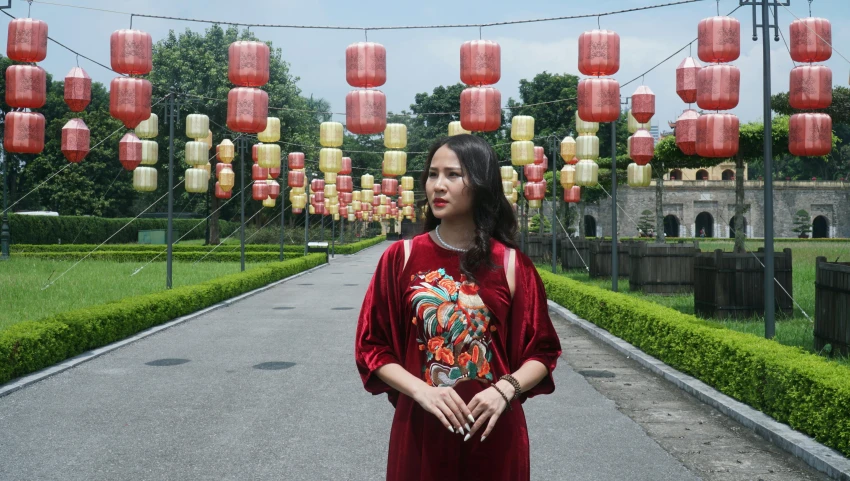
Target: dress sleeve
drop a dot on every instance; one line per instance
(379, 338)
(537, 339)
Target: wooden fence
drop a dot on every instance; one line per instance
(832, 305)
(600, 259)
(575, 255)
(662, 268)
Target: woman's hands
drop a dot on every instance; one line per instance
(447, 406)
(487, 406)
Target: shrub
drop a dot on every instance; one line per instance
(359, 246)
(803, 390)
(32, 345)
(160, 256)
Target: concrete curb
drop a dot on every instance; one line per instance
(37, 376)
(816, 455)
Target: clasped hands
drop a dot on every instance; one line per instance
(458, 417)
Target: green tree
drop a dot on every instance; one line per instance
(802, 223)
(645, 222)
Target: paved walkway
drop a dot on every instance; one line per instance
(267, 389)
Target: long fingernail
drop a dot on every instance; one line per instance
(471, 419)
(451, 430)
(483, 438)
(466, 438)
(467, 427)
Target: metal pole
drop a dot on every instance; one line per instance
(523, 211)
(5, 237)
(172, 114)
(242, 201)
(306, 227)
(615, 255)
(554, 204)
(282, 210)
(768, 179)
(333, 235)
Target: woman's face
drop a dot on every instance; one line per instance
(446, 187)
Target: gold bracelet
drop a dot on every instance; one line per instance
(503, 396)
(514, 383)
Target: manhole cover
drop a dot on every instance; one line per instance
(595, 373)
(351, 284)
(274, 366)
(342, 308)
(337, 273)
(167, 362)
(282, 308)
(305, 284)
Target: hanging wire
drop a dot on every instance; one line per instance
(810, 8)
(718, 8)
(29, 9)
(366, 34)
(598, 22)
(480, 35)
(817, 34)
(131, 21)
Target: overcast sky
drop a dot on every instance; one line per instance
(419, 60)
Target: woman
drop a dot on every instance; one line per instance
(455, 328)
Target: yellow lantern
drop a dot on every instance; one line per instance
(299, 201)
(515, 178)
(330, 134)
(269, 202)
(587, 147)
(634, 125)
(407, 197)
(197, 181)
(330, 160)
(351, 218)
(268, 156)
(384, 200)
(522, 127)
(382, 210)
(197, 126)
(639, 175)
(150, 152)
(330, 178)
(456, 129)
(355, 196)
(395, 163)
(586, 128)
(587, 173)
(206, 168)
(334, 209)
(148, 129)
(297, 190)
(568, 176)
(336, 216)
(208, 140)
(535, 204)
(226, 178)
(311, 210)
(406, 183)
(522, 152)
(507, 187)
(366, 182)
(330, 190)
(226, 151)
(196, 153)
(367, 196)
(506, 172)
(514, 197)
(395, 136)
(144, 179)
(568, 149)
(272, 132)
(356, 205)
(407, 211)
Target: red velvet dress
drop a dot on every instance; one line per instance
(447, 331)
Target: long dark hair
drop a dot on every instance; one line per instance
(493, 215)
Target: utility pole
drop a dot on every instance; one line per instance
(169, 234)
(769, 294)
(242, 144)
(282, 205)
(5, 236)
(554, 201)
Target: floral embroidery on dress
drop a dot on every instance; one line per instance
(453, 328)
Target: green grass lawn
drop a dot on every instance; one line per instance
(794, 331)
(90, 282)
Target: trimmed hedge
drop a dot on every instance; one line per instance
(347, 249)
(56, 248)
(809, 393)
(145, 256)
(39, 229)
(32, 345)
(674, 240)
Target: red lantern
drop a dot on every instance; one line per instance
(130, 151)
(535, 190)
(539, 156)
(717, 135)
(810, 135)
(811, 87)
(130, 100)
(248, 66)
(274, 172)
(480, 62)
(317, 185)
(599, 100)
(318, 199)
(297, 211)
(27, 40)
(719, 39)
(718, 87)
(366, 65)
(296, 160)
(130, 52)
(219, 166)
(686, 79)
(26, 86)
(534, 172)
(77, 89)
(259, 173)
(346, 197)
(642, 147)
(811, 40)
(574, 161)
(686, 132)
(376, 189)
(274, 190)
(598, 53)
(346, 166)
(221, 194)
(75, 140)
(480, 109)
(366, 112)
(24, 133)
(247, 110)
(255, 153)
(260, 190)
(572, 195)
(643, 104)
(344, 183)
(389, 186)
(295, 178)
